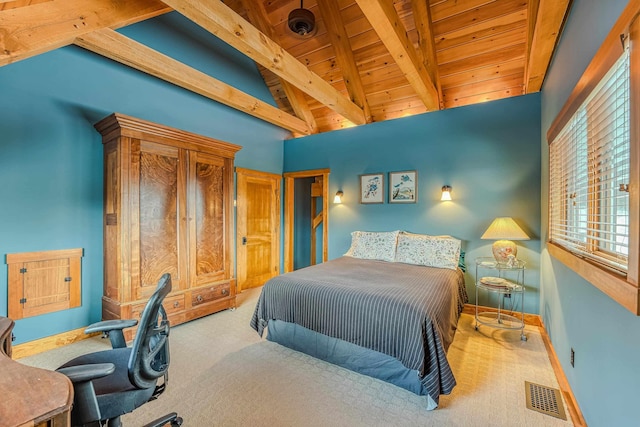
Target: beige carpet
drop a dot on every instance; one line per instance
(223, 374)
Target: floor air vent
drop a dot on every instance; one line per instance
(544, 399)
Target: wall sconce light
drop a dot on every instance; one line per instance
(446, 193)
(338, 198)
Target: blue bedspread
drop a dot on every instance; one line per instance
(406, 311)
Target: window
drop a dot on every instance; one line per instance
(594, 169)
(589, 174)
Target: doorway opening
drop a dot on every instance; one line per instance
(306, 218)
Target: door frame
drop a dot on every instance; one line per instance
(289, 220)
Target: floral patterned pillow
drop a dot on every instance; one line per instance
(373, 245)
(430, 251)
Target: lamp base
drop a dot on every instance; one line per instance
(502, 249)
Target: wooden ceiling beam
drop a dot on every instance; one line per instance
(549, 20)
(40, 28)
(124, 50)
(224, 23)
(14, 4)
(532, 14)
(426, 41)
(258, 17)
(337, 32)
(385, 21)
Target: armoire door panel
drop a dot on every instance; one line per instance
(159, 221)
(207, 216)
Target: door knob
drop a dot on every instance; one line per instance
(244, 240)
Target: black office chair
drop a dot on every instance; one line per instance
(111, 383)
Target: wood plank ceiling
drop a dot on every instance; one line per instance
(367, 60)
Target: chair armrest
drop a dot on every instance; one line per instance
(85, 404)
(110, 325)
(84, 373)
(113, 329)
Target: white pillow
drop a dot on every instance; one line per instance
(430, 251)
(373, 245)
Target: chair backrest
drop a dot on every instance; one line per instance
(149, 358)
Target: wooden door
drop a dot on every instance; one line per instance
(158, 185)
(209, 177)
(258, 232)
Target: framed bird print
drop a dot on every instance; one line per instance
(372, 188)
(403, 187)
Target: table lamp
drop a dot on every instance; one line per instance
(503, 230)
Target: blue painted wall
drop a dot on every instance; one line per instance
(604, 335)
(51, 156)
(488, 153)
(51, 170)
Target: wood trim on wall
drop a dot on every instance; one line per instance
(614, 285)
(325, 217)
(288, 219)
(306, 173)
(256, 173)
(565, 389)
(50, 343)
(633, 267)
(529, 319)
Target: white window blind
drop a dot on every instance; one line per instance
(589, 174)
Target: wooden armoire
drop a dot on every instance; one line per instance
(168, 208)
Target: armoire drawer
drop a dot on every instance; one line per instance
(171, 304)
(209, 293)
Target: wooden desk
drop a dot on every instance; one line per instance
(30, 396)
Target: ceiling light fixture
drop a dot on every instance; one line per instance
(302, 22)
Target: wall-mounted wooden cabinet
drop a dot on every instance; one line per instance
(168, 208)
(44, 282)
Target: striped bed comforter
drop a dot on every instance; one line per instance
(405, 311)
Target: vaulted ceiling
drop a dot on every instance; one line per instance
(366, 61)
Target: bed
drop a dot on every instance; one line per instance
(383, 318)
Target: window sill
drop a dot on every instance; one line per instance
(615, 286)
